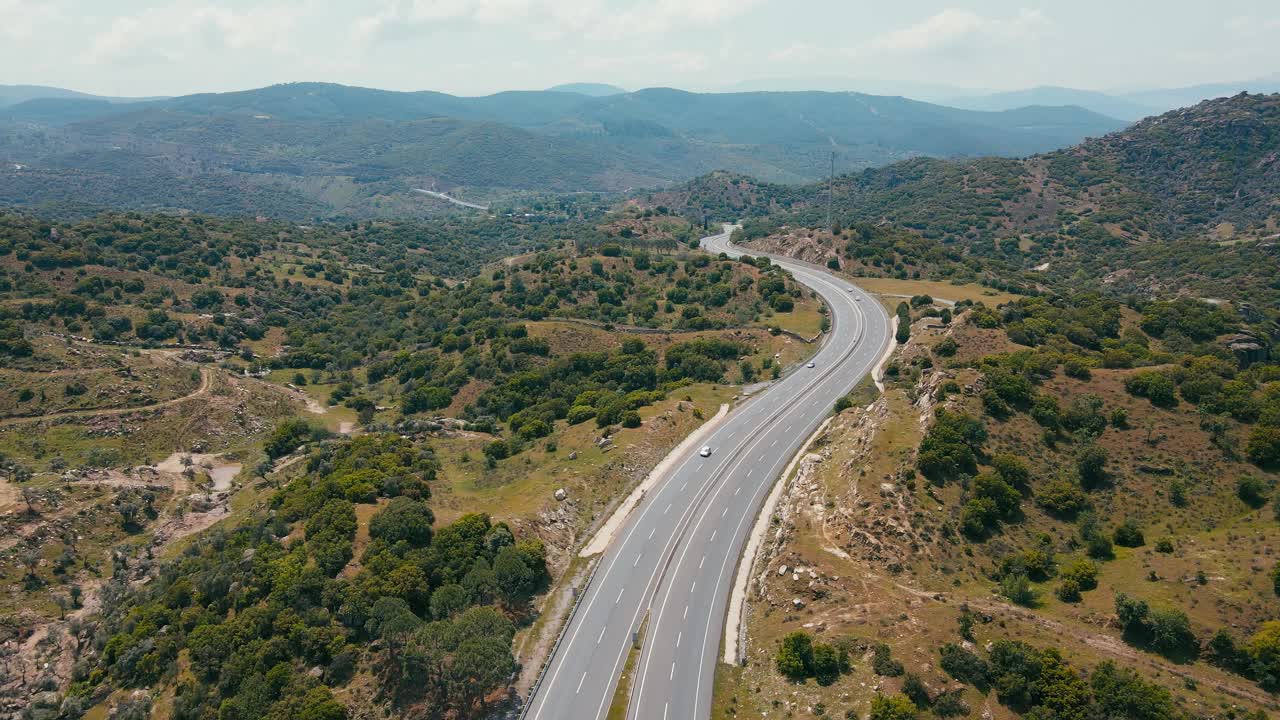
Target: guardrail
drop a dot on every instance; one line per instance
(555, 647)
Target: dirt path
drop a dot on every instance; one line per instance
(206, 379)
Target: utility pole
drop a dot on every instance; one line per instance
(831, 182)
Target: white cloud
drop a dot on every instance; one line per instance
(954, 28)
(552, 18)
(177, 31)
(20, 19)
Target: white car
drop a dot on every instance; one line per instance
(859, 298)
(810, 365)
(705, 451)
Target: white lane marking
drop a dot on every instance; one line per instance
(620, 591)
(584, 678)
(678, 636)
(737, 490)
(652, 531)
(664, 710)
(713, 535)
(686, 612)
(693, 587)
(760, 459)
(704, 559)
(751, 472)
(774, 443)
(788, 429)
(637, 561)
(664, 512)
(672, 676)
(685, 485)
(601, 634)
(725, 510)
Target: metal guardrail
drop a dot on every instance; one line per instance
(555, 647)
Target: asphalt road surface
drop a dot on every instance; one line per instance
(672, 566)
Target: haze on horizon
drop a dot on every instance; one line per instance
(474, 47)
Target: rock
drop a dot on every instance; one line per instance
(782, 570)
(316, 672)
(813, 458)
(47, 699)
(561, 494)
(573, 455)
(797, 603)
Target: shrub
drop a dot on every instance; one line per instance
(882, 662)
(1253, 491)
(1017, 588)
(1091, 463)
(1264, 446)
(892, 707)
(964, 666)
(1128, 534)
(1154, 385)
(795, 655)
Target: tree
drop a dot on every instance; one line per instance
(1119, 693)
(1264, 649)
(826, 663)
(795, 656)
(1252, 491)
(892, 707)
(403, 520)
(964, 666)
(913, 687)
(1264, 445)
(516, 582)
(449, 600)
(1128, 534)
(1091, 463)
(479, 666)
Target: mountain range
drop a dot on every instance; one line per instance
(339, 150)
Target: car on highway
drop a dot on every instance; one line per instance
(705, 451)
(811, 364)
(859, 298)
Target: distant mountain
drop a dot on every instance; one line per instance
(313, 138)
(1171, 98)
(1133, 105)
(588, 89)
(1098, 102)
(14, 94)
(1182, 202)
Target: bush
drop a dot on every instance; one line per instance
(892, 707)
(1017, 588)
(1091, 463)
(1264, 446)
(1154, 385)
(631, 419)
(795, 656)
(1128, 534)
(964, 666)
(882, 662)
(1062, 498)
(1068, 591)
(1253, 491)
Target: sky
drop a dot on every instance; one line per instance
(475, 47)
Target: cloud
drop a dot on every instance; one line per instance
(19, 19)
(954, 28)
(175, 31)
(550, 18)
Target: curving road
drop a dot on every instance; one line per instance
(672, 567)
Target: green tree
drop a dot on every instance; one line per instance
(795, 656)
(892, 707)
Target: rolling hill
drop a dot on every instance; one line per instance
(294, 137)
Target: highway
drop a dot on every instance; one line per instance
(672, 565)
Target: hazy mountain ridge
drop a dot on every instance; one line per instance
(528, 140)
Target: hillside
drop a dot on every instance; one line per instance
(1182, 203)
(364, 435)
(291, 143)
(1021, 521)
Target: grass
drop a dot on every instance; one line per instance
(935, 289)
(622, 695)
(520, 486)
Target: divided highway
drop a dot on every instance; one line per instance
(673, 563)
